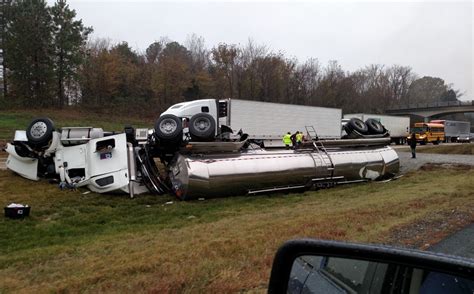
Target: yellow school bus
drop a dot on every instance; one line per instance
(428, 133)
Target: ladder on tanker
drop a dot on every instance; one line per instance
(319, 146)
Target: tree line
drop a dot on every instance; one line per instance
(43, 51)
(51, 62)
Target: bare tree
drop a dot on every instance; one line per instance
(400, 79)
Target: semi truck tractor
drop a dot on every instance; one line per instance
(264, 122)
(200, 157)
(398, 126)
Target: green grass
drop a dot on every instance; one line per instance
(102, 243)
(12, 120)
(448, 149)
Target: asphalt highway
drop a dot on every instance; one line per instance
(460, 243)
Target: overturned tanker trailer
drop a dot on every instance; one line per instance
(263, 171)
(220, 164)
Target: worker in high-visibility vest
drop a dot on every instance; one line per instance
(287, 140)
(299, 139)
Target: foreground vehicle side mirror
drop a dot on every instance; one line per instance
(315, 266)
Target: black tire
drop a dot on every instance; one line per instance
(169, 128)
(374, 126)
(357, 125)
(40, 132)
(202, 126)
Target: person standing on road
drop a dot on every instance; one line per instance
(413, 145)
(287, 140)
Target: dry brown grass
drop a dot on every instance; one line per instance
(467, 149)
(232, 251)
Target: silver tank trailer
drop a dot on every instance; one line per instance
(258, 171)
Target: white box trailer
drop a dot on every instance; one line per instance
(398, 126)
(270, 121)
(455, 131)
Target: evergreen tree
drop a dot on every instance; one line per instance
(70, 37)
(28, 41)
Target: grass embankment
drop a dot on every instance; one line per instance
(11, 120)
(448, 149)
(95, 243)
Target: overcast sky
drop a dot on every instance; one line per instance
(434, 38)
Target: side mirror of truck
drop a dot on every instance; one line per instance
(315, 266)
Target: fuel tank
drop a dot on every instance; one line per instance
(227, 174)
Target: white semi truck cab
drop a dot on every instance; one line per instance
(191, 108)
(200, 119)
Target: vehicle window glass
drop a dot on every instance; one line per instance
(350, 272)
(397, 279)
(434, 282)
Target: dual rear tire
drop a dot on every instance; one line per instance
(370, 126)
(202, 127)
(169, 128)
(374, 127)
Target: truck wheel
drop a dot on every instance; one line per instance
(374, 126)
(168, 127)
(202, 126)
(40, 131)
(357, 125)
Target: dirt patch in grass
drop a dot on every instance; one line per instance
(451, 166)
(103, 243)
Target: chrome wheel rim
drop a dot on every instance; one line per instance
(168, 126)
(38, 129)
(202, 124)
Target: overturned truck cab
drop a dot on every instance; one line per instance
(106, 162)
